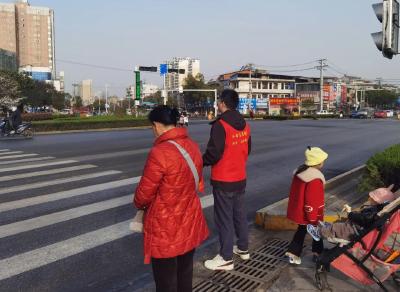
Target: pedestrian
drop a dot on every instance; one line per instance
(306, 202)
(251, 114)
(174, 224)
(227, 152)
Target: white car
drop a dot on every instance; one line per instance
(389, 113)
(324, 112)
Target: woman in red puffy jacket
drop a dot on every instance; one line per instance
(174, 224)
(306, 202)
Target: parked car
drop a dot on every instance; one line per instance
(389, 113)
(324, 112)
(380, 115)
(365, 113)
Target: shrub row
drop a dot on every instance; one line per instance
(87, 124)
(314, 117)
(382, 170)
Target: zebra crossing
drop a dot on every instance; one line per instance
(42, 195)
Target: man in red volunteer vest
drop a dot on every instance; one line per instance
(227, 152)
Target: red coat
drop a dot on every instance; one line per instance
(174, 222)
(306, 199)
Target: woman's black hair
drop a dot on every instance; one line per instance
(301, 168)
(165, 115)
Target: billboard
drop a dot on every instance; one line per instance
(283, 101)
(247, 104)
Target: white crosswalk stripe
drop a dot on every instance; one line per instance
(4, 150)
(57, 182)
(39, 256)
(22, 167)
(10, 152)
(13, 205)
(45, 172)
(18, 156)
(26, 160)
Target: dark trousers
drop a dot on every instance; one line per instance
(230, 220)
(174, 274)
(296, 246)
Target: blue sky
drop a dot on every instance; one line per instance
(223, 34)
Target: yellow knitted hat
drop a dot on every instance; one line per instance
(315, 156)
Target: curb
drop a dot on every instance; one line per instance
(93, 130)
(273, 217)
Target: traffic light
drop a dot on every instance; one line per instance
(387, 40)
(149, 69)
(179, 71)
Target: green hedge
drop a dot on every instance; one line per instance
(87, 124)
(383, 169)
(314, 117)
(281, 118)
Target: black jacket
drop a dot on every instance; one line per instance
(16, 119)
(366, 217)
(216, 146)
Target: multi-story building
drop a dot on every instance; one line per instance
(8, 35)
(257, 87)
(28, 31)
(149, 89)
(86, 91)
(8, 60)
(174, 80)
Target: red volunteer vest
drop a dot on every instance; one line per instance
(232, 166)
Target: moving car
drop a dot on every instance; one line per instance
(380, 115)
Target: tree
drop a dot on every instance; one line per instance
(9, 90)
(155, 97)
(196, 99)
(77, 101)
(381, 98)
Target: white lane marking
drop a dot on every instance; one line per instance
(111, 155)
(3, 150)
(26, 160)
(45, 172)
(13, 205)
(40, 257)
(12, 152)
(48, 254)
(36, 165)
(57, 217)
(18, 156)
(57, 181)
(53, 218)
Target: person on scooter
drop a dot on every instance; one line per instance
(16, 118)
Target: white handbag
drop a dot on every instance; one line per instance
(137, 223)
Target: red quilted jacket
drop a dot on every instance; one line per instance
(174, 222)
(306, 199)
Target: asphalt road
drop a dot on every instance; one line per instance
(65, 198)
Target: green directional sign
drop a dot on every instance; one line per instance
(137, 85)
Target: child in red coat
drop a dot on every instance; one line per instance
(306, 201)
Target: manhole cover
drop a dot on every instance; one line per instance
(249, 275)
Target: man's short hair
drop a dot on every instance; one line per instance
(231, 98)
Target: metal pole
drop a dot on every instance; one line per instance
(321, 85)
(164, 93)
(106, 98)
(215, 103)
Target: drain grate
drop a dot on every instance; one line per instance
(249, 275)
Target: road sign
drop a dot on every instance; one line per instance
(137, 85)
(163, 69)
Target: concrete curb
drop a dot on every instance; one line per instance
(273, 217)
(93, 130)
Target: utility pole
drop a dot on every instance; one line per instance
(106, 98)
(321, 67)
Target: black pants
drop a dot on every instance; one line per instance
(296, 246)
(230, 220)
(174, 274)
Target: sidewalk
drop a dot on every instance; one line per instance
(285, 278)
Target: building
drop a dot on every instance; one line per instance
(149, 89)
(174, 80)
(86, 92)
(28, 31)
(261, 91)
(8, 60)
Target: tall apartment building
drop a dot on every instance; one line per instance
(86, 91)
(174, 80)
(28, 32)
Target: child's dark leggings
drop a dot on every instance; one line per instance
(296, 246)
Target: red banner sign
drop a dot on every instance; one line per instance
(283, 101)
